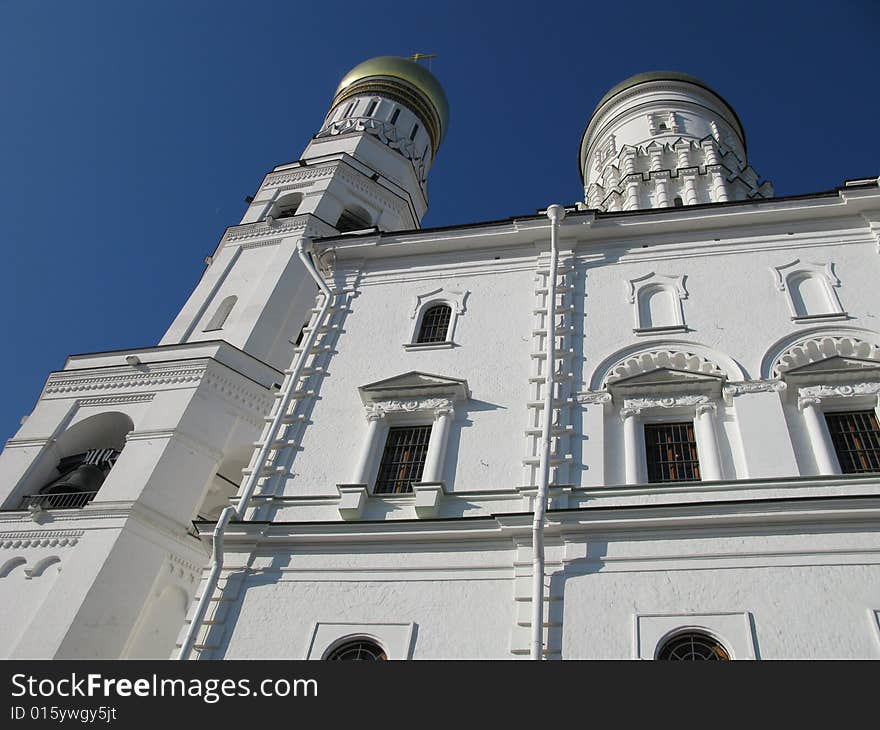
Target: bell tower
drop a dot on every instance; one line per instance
(124, 449)
(665, 139)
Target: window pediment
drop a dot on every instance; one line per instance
(836, 368)
(667, 382)
(414, 385)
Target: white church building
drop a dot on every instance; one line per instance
(342, 444)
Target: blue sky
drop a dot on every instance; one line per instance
(131, 131)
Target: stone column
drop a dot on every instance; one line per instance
(823, 449)
(631, 450)
(710, 459)
(433, 471)
(361, 472)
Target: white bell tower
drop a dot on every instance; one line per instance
(124, 449)
(665, 139)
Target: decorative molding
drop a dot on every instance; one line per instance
(839, 391)
(276, 179)
(732, 390)
(260, 244)
(666, 280)
(110, 400)
(702, 408)
(437, 406)
(815, 349)
(41, 538)
(382, 130)
(456, 298)
(297, 224)
(72, 381)
(594, 397)
(671, 401)
(644, 362)
(824, 270)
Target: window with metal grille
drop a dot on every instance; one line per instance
(693, 647)
(671, 451)
(360, 650)
(403, 459)
(435, 324)
(856, 439)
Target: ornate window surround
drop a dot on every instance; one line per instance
(646, 284)
(700, 406)
(414, 398)
(823, 273)
(455, 299)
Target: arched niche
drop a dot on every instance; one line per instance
(159, 625)
(221, 314)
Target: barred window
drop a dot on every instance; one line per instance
(694, 646)
(435, 324)
(359, 650)
(403, 459)
(856, 439)
(671, 451)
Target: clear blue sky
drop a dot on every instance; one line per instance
(131, 130)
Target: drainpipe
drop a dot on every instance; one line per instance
(555, 213)
(251, 483)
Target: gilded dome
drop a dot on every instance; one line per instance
(414, 74)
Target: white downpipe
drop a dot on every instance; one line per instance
(555, 213)
(251, 483)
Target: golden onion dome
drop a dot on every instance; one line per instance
(420, 91)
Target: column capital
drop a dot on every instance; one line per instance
(629, 412)
(705, 408)
(809, 401)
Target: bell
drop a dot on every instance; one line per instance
(85, 478)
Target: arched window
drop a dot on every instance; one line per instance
(677, 202)
(219, 319)
(287, 205)
(353, 218)
(358, 650)
(435, 324)
(693, 646)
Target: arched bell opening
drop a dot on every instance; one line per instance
(89, 450)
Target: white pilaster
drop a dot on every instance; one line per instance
(433, 471)
(631, 451)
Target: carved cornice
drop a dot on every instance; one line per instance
(40, 538)
(247, 231)
(74, 381)
(112, 400)
(436, 406)
(304, 174)
(254, 403)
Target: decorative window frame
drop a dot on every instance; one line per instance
(733, 630)
(647, 283)
(395, 638)
(413, 399)
(701, 408)
(455, 299)
(824, 273)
